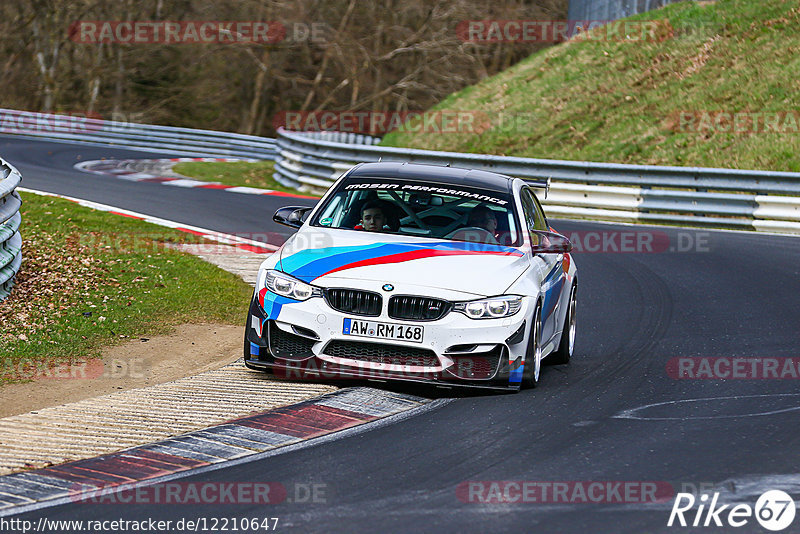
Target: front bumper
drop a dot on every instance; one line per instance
(306, 340)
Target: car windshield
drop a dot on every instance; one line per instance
(404, 207)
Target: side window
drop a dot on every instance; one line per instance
(529, 210)
(534, 216)
(541, 220)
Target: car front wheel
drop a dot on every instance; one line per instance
(533, 355)
(567, 345)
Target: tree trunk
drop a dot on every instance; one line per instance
(258, 89)
(327, 56)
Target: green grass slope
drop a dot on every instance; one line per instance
(648, 102)
(91, 279)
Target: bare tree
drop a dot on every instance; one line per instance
(394, 55)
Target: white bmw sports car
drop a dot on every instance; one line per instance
(416, 272)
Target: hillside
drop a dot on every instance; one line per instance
(718, 87)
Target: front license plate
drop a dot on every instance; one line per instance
(357, 327)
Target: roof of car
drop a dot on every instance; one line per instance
(434, 174)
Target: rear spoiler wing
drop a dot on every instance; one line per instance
(541, 183)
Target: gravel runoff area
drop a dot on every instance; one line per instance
(115, 421)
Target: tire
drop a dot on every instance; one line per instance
(533, 356)
(567, 344)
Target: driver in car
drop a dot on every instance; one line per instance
(373, 218)
(483, 217)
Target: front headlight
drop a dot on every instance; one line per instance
(289, 286)
(491, 308)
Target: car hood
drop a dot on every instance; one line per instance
(327, 257)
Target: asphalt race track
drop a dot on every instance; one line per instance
(47, 166)
(730, 295)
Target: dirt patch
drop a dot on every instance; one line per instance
(189, 350)
(698, 61)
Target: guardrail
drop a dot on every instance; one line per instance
(589, 10)
(695, 196)
(10, 240)
(134, 136)
(727, 198)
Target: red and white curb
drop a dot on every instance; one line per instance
(160, 171)
(242, 243)
(240, 440)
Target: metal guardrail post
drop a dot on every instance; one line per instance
(10, 239)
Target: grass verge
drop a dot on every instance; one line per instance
(241, 173)
(658, 101)
(91, 279)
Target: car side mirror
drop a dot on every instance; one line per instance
(292, 216)
(549, 243)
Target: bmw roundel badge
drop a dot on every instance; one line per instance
(388, 287)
